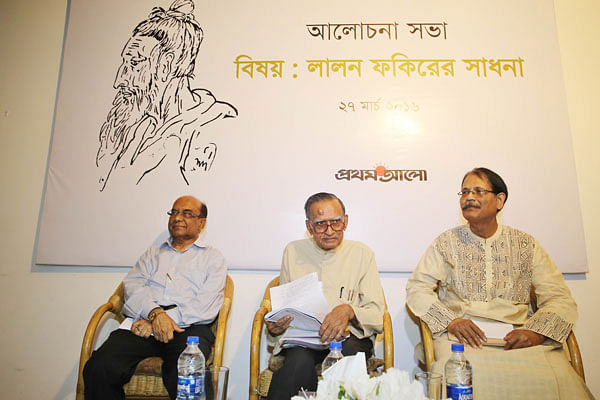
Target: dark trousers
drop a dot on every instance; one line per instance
(113, 364)
(298, 369)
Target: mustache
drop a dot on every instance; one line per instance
(131, 96)
(469, 205)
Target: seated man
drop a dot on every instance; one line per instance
(351, 286)
(175, 290)
(485, 271)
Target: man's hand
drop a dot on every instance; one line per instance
(142, 328)
(466, 331)
(163, 327)
(335, 323)
(278, 327)
(519, 338)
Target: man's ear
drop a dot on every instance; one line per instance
(165, 64)
(308, 227)
(500, 199)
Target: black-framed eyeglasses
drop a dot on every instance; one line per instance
(337, 224)
(477, 191)
(185, 214)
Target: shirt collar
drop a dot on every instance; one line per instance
(198, 243)
(479, 238)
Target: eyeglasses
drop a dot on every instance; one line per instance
(185, 214)
(337, 224)
(477, 191)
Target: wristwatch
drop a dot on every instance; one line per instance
(154, 313)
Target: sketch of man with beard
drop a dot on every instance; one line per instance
(157, 117)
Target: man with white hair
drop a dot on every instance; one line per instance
(351, 286)
(157, 117)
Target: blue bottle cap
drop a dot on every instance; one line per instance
(458, 347)
(333, 345)
(192, 340)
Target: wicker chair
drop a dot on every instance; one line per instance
(146, 382)
(571, 346)
(259, 383)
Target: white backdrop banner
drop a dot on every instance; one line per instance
(385, 103)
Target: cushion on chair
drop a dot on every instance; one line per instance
(145, 386)
(147, 379)
(150, 366)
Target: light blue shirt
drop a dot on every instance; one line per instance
(193, 280)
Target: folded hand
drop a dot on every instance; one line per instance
(466, 331)
(519, 338)
(278, 327)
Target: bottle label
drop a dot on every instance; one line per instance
(190, 386)
(459, 392)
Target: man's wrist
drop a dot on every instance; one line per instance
(351, 313)
(154, 313)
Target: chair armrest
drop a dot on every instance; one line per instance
(255, 337)
(575, 355)
(219, 345)
(90, 333)
(221, 331)
(427, 340)
(388, 341)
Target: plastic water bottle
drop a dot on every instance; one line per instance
(459, 375)
(190, 372)
(335, 355)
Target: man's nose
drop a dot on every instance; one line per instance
(470, 195)
(120, 79)
(175, 218)
(329, 230)
(178, 217)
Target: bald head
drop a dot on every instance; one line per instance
(197, 203)
(187, 219)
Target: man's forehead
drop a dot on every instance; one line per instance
(474, 178)
(326, 208)
(187, 203)
(140, 45)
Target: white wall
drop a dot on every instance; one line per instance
(44, 311)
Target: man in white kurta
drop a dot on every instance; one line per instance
(351, 287)
(485, 271)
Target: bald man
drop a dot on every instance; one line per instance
(175, 290)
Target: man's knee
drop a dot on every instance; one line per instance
(353, 345)
(103, 367)
(299, 358)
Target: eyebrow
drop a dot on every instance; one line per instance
(332, 219)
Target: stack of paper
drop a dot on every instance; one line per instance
(304, 301)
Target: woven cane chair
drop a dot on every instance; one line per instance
(571, 346)
(259, 383)
(146, 382)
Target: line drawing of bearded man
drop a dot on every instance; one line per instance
(157, 117)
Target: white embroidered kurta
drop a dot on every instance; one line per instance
(490, 278)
